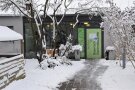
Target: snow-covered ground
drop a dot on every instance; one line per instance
(38, 79)
(116, 78)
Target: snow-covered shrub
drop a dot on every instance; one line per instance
(67, 48)
(44, 65)
(66, 61)
(52, 62)
(62, 49)
(49, 63)
(69, 44)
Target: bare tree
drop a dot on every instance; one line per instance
(56, 6)
(33, 10)
(120, 31)
(30, 8)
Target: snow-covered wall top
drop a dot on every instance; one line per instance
(110, 48)
(7, 34)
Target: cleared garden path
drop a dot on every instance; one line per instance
(86, 78)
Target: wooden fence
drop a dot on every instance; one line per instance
(11, 69)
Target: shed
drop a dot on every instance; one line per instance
(10, 42)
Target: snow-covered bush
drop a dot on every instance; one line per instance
(50, 62)
(66, 61)
(67, 48)
(62, 49)
(62, 46)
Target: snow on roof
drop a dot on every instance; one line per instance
(7, 34)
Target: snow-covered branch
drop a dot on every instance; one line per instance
(120, 30)
(76, 20)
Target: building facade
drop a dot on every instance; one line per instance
(86, 33)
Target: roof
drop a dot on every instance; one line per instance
(7, 34)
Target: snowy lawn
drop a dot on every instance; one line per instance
(116, 78)
(38, 79)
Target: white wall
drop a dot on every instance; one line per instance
(17, 23)
(10, 47)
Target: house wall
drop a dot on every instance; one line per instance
(65, 26)
(15, 23)
(10, 47)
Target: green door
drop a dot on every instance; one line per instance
(93, 43)
(81, 40)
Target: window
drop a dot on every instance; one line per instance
(11, 27)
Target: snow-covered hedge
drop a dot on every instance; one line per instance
(11, 69)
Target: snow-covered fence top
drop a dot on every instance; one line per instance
(11, 69)
(7, 34)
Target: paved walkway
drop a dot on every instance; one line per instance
(86, 78)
